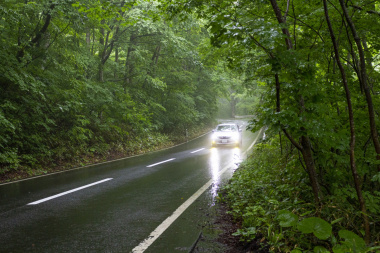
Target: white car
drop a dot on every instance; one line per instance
(226, 134)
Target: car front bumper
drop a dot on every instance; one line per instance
(230, 141)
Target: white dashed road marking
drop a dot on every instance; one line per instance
(160, 162)
(68, 192)
(197, 150)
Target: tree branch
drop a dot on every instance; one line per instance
(368, 11)
(38, 36)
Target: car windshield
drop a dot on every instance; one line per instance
(226, 128)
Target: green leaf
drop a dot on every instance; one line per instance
(320, 249)
(319, 227)
(372, 249)
(287, 218)
(376, 178)
(339, 249)
(352, 242)
(336, 221)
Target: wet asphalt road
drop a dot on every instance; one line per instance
(130, 199)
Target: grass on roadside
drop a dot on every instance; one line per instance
(271, 197)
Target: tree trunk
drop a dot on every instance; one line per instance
(305, 146)
(88, 37)
(116, 60)
(93, 41)
(128, 61)
(363, 79)
(310, 167)
(278, 105)
(352, 128)
(233, 106)
(281, 20)
(101, 38)
(37, 38)
(107, 50)
(101, 55)
(101, 72)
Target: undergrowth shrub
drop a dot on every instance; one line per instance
(271, 196)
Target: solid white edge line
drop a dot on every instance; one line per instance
(197, 150)
(168, 221)
(160, 162)
(68, 192)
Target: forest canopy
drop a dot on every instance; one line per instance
(314, 65)
(90, 77)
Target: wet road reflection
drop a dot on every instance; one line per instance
(118, 214)
(214, 164)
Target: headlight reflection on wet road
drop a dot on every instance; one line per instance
(214, 165)
(237, 155)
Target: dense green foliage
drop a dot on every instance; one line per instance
(90, 77)
(95, 76)
(313, 65)
(269, 193)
